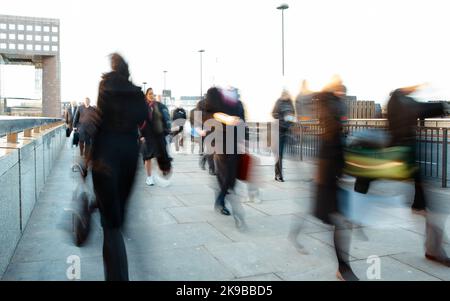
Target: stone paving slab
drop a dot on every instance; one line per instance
(264, 227)
(380, 242)
(182, 264)
(391, 270)
(418, 261)
(173, 233)
(206, 213)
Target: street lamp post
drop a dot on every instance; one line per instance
(165, 72)
(201, 72)
(282, 7)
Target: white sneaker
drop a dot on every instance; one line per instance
(149, 181)
(162, 182)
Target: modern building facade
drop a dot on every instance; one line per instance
(35, 41)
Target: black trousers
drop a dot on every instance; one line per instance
(115, 163)
(227, 168)
(281, 144)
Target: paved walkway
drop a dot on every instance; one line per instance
(174, 234)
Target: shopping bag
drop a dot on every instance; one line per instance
(245, 162)
(75, 138)
(83, 203)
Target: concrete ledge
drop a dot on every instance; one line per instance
(9, 205)
(24, 168)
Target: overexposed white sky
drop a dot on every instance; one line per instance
(374, 45)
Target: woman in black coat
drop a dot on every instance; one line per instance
(121, 109)
(331, 162)
(225, 158)
(284, 113)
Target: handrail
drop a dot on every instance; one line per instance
(13, 125)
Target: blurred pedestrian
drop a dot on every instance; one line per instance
(403, 114)
(82, 123)
(153, 137)
(228, 111)
(69, 115)
(121, 109)
(331, 162)
(178, 120)
(284, 114)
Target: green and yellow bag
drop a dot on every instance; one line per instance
(396, 163)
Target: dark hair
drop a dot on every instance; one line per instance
(146, 92)
(119, 65)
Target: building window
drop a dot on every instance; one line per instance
(3, 36)
(54, 48)
(54, 29)
(20, 46)
(29, 27)
(46, 28)
(37, 47)
(12, 36)
(46, 48)
(38, 28)
(2, 45)
(21, 37)
(29, 37)
(12, 46)
(54, 39)
(21, 27)
(2, 26)
(37, 38)
(29, 47)
(12, 26)
(46, 38)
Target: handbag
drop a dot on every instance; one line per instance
(245, 162)
(76, 138)
(68, 132)
(395, 163)
(83, 202)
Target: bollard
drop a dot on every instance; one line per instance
(11, 138)
(27, 133)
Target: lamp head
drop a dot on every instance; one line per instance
(283, 6)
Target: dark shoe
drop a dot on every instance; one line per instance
(212, 172)
(279, 178)
(222, 210)
(445, 261)
(345, 273)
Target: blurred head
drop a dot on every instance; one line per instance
(149, 95)
(335, 86)
(119, 65)
(87, 102)
(214, 94)
(304, 88)
(73, 103)
(341, 91)
(285, 94)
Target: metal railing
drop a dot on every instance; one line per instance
(303, 143)
(10, 126)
